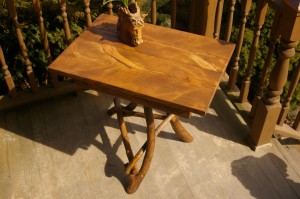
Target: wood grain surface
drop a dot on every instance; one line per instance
(173, 71)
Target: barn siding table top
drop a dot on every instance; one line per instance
(174, 71)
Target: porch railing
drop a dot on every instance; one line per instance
(267, 114)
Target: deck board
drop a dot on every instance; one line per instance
(67, 147)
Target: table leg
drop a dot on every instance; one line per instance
(180, 131)
(136, 179)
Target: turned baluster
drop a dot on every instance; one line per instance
(192, 16)
(63, 8)
(13, 14)
(286, 105)
(269, 106)
(273, 37)
(38, 10)
(88, 13)
(261, 11)
(110, 7)
(230, 20)
(153, 12)
(7, 76)
(246, 5)
(173, 13)
(296, 124)
(218, 19)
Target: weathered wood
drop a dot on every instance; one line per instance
(273, 37)
(88, 13)
(246, 5)
(230, 20)
(198, 69)
(261, 12)
(218, 19)
(173, 13)
(292, 87)
(153, 12)
(13, 14)
(63, 8)
(7, 76)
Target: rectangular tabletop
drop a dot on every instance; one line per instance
(174, 71)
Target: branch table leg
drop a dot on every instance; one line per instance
(180, 131)
(136, 179)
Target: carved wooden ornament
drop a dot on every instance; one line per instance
(130, 24)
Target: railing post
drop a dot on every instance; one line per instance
(268, 108)
(88, 13)
(30, 74)
(110, 8)
(218, 19)
(7, 76)
(261, 11)
(246, 4)
(153, 11)
(173, 13)
(63, 8)
(230, 20)
(286, 105)
(273, 37)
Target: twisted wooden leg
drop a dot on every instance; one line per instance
(136, 179)
(180, 131)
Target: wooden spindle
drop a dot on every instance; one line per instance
(63, 8)
(218, 19)
(192, 16)
(268, 108)
(296, 124)
(261, 12)
(286, 105)
(13, 14)
(153, 12)
(230, 20)
(273, 37)
(110, 7)
(88, 13)
(45, 41)
(7, 76)
(173, 13)
(246, 5)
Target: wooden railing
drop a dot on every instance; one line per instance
(267, 114)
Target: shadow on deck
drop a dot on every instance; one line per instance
(67, 147)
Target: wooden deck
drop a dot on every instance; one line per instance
(68, 147)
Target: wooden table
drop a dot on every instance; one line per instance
(172, 71)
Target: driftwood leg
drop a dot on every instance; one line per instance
(180, 131)
(124, 133)
(130, 107)
(136, 179)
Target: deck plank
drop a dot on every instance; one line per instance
(67, 147)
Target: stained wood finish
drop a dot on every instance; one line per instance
(273, 37)
(189, 66)
(230, 20)
(173, 13)
(13, 14)
(292, 87)
(63, 8)
(153, 12)
(246, 6)
(218, 19)
(296, 124)
(192, 16)
(88, 13)
(261, 12)
(7, 76)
